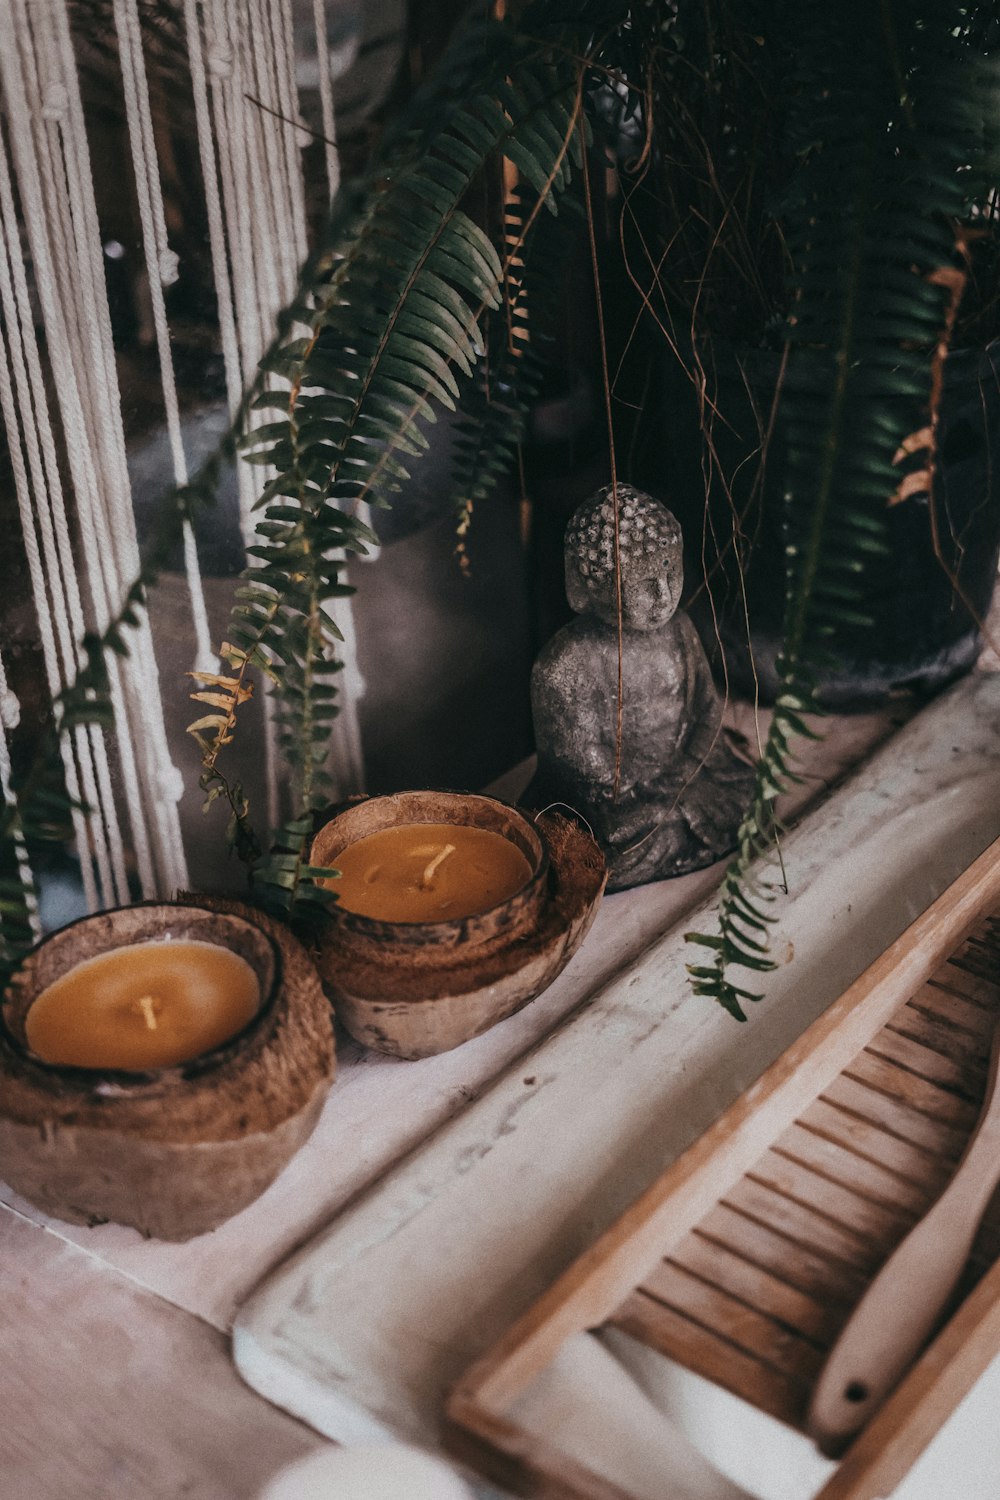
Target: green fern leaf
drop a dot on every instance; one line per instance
(865, 328)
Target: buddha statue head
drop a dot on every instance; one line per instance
(650, 556)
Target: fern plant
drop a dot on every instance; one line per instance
(396, 328)
(890, 107)
(404, 326)
(411, 306)
(394, 303)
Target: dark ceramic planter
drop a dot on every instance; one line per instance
(924, 631)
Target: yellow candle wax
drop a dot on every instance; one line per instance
(144, 1005)
(429, 872)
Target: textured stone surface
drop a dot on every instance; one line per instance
(669, 799)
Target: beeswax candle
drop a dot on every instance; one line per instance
(428, 872)
(144, 1005)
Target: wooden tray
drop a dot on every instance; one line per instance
(745, 1258)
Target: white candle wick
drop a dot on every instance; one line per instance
(435, 865)
(147, 1005)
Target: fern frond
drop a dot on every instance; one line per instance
(497, 402)
(287, 885)
(869, 227)
(395, 331)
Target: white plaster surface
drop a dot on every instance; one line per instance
(364, 1330)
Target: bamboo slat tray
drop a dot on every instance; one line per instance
(745, 1258)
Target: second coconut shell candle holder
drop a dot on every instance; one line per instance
(415, 988)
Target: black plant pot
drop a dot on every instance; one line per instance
(924, 631)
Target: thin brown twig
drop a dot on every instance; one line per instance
(614, 471)
(317, 135)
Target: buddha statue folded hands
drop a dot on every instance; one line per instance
(681, 790)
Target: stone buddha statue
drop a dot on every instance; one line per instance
(681, 789)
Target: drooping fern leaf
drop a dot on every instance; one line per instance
(38, 807)
(492, 421)
(891, 125)
(394, 332)
(496, 405)
(18, 893)
(392, 303)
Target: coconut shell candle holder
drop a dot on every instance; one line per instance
(172, 1150)
(446, 970)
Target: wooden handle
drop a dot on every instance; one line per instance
(903, 1305)
(889, 1326)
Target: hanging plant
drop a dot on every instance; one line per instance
(409, 306)
(874, 267)
(397, 329)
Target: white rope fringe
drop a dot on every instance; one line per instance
(9, 715)
(59, 390)
(326, 99)
(243, 75)
(162, 270)
(49, 147)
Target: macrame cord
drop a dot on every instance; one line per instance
(10, 711)
(162, 271)
(46, 538)
(66, 436)
(326, 99)
(51, 156)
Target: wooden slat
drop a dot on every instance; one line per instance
(857, 1092)
(917, 1164)
(984, 940)
(816, 1318)
(766, 1338)
(964, 1080)
(957, 975)
(865, 1176)
(704, 1351)
(887, 1077)
(934, 999)
(810, 1271)
(969, 1053)
(877, 1224)
(803, 1225)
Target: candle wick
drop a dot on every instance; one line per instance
(147, 1005)
(435, 864)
